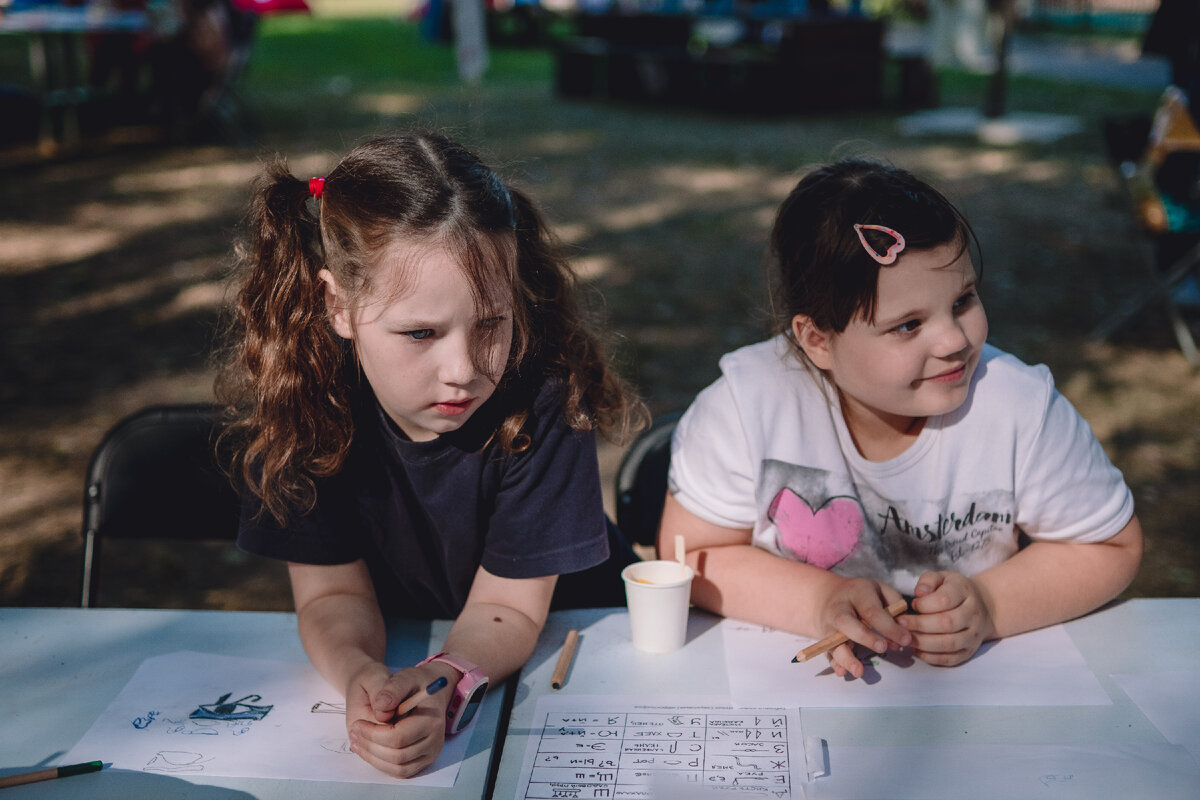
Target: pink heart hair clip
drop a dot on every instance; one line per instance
(892, 252)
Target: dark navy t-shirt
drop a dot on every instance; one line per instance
(425, 515)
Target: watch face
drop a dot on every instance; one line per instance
(470, 706)
(469, 710)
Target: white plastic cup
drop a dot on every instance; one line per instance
(658, 594)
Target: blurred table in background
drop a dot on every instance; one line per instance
(57, 63)
(729, 62)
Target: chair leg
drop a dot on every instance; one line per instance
(1183, 334)
(1160, 286)
(89, 587)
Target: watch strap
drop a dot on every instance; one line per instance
(468, 690)
(460, 664)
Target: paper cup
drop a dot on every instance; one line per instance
(658, 594)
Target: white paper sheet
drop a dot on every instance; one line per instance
(1009, 772)
(625, 746)
(1043, 667)
(152, 725)
(1170, 700)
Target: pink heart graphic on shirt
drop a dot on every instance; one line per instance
(823, 538)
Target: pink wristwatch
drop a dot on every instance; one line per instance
(468, 692)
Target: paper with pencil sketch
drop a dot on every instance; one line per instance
(197, 715)
(1040, 668)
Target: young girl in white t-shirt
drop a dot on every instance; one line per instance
(878, 448)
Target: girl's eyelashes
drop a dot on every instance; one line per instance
(419, 334)
(965, 302)
(487, 323)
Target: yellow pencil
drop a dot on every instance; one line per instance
(836, 639)
(408, 705)
(564, 661)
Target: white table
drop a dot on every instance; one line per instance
(1138, 636)
(61, 667)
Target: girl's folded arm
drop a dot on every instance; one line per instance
(499, 625)
(339, 619)
(736, 579)
(1050, 582)
(343, 630)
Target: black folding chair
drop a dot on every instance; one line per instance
(642, 481)
(641, 485)
(155, 476)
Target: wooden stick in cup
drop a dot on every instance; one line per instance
(837, 639)
(680, 551)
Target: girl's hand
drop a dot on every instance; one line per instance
(952, 620)
(398, 747)
(858, 609)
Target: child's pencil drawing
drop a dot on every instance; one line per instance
(324, 707)
(189, 713)
(144, 721)
(238, 709)
(339, 746)
(176, 761)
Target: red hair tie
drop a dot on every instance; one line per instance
(316, 186)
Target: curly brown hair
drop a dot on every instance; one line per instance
(288, 380)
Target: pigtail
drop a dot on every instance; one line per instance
(290, 419)
(558, 338)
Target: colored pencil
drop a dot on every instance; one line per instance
(433, 688)
(836, 639)
(564, 660)
(51, 774)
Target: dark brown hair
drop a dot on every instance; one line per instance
(821, 268)
(287, 380)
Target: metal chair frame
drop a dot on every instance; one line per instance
(155, 475)
(642, 481)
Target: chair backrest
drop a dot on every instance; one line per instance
(642, 481)
(155, 476)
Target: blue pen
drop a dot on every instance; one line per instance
(433, 688)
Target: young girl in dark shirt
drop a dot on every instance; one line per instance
(414, 399)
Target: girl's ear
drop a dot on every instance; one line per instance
(812, 340)
(335, 307)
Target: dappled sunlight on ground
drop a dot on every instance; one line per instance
(28, 248)
(111, 284)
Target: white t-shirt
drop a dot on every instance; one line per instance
(766, 447)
